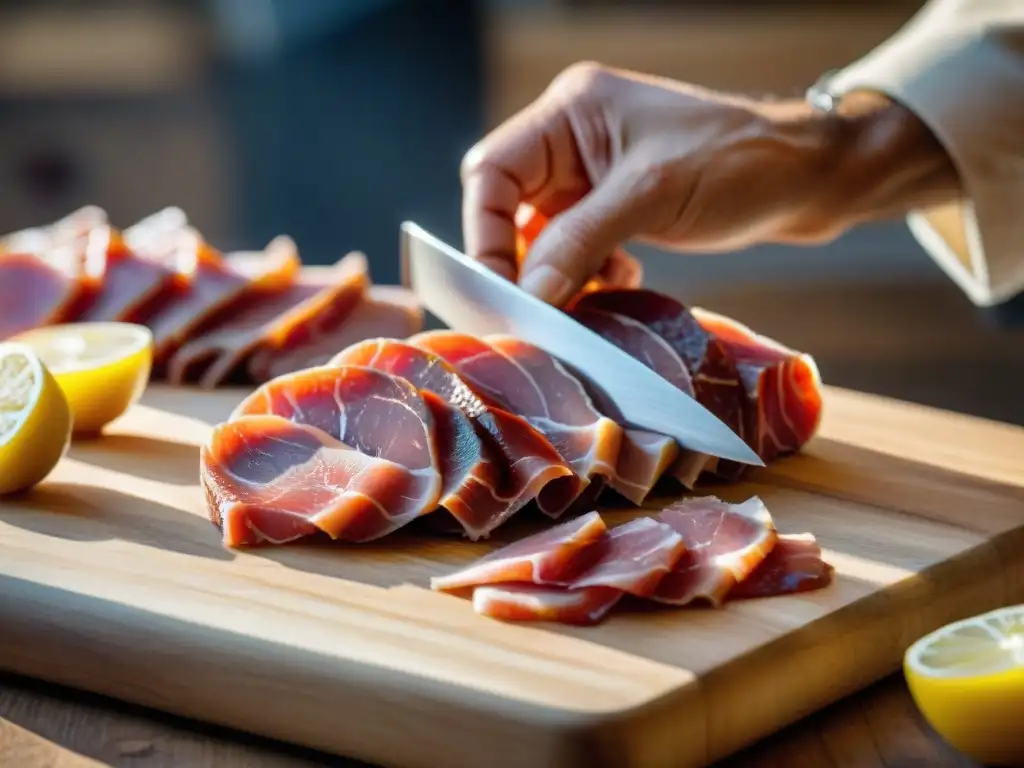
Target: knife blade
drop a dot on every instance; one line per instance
(470, 298)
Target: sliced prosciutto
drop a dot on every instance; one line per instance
(273, 321)
(647, 455)
(794, 565)
(377, 414)
(385, 311)
(783, 386)
(554, 555)
(619, 270)
(527, 381)
(725, 543)
(214, 287)
(631, 558)
(716, 381)
(496, 462)
(268, 480)
(37, 290)
(133, 286)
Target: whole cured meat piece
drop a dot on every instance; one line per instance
(214, 288)
(631, 558)
(794, 565)
(385, 311)
(373, 412)
(273, 321)
(725, 543)
(528, 382)
(494, 462)
(716, 382)
(647, 456)
(555, 554)
(268, 480)
(783, 386)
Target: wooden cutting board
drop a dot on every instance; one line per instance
(113, 580)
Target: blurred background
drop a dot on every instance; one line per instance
(334, 120)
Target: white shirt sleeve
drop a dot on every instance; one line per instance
(959, 66)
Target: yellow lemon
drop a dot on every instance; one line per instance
(35, 419)
(968, 681)
(103, 368)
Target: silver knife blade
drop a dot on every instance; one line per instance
(470, 298)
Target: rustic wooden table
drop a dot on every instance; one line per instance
(47, 727)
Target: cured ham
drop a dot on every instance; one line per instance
(37, 290)
(386, 311)
(716, 381)
(215, 287)
(725, 543)
(794, 565)
(554, 555)
(783, 386)
(647, 456)
(273, 323)
(527, 381)
(628, 559)
(371, 412)
(133, 286)
(619, 270)
(495, 462)
(268, 480)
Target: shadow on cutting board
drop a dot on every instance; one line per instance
(166, 461)
(78, 512)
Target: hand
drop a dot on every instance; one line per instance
(610, 155)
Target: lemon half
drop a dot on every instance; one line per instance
(103, 368)
(35, 419)
(968, 681)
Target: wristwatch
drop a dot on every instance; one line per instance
(820, 97)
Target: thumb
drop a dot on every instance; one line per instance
(576, 243)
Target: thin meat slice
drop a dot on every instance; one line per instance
(631, 558)
(215, 287)
(530, 602)
(783, 386)
(272, 321)
(619, 270)
(133, 286)
(495, 462)
(725, 543)
(716, 382)
(71, 230)
(375, 413)
(648, 455)
(555, 554)
(385, 311)
(268, 480)
(562, 409)
(794, 565)
(527, 381)
(40, 290)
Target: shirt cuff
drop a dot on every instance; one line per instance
(962, 73)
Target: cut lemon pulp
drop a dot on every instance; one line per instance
(968, 681)
(35, 419)
(103, 368)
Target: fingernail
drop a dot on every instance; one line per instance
(547, 284)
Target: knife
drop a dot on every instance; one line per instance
(470, 298)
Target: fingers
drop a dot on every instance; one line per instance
(574, 246)
(530, 158)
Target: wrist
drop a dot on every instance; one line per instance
(869, 159)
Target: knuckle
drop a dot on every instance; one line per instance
(583, 79)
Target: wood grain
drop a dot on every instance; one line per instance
(113, 557)
(49, 727)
